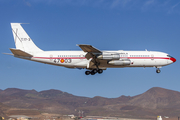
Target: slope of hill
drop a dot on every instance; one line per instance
(156, 98)
(155, 101)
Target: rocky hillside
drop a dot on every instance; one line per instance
(155, 101)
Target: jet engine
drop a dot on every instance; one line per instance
(109, 57)
(119, 62)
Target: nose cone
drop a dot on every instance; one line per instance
(173, 59)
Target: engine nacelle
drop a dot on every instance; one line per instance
(109, 56)
(119, 62)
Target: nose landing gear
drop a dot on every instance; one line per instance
(94, 71)
(158, 70)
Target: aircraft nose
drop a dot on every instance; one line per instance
(173, 59)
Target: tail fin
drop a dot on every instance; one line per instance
(22, 40)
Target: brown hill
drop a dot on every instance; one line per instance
(155, 101)
(157, 98)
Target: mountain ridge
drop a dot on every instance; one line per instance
(151, 103)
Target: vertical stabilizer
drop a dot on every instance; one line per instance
(22, 39)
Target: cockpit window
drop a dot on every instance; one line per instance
(169, 56)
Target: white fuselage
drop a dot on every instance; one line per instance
(76, 59)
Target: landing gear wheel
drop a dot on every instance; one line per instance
(158, 70)
(100, 71)
(87, 72)
(94, 71)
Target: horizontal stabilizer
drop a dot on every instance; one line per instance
(7, 53)
(18, 52)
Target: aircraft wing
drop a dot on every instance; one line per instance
(92, 54)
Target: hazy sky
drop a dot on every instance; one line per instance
(107, 25)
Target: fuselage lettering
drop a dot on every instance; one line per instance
(62, 60)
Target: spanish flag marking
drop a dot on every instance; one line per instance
(62, 60)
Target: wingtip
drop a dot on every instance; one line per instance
(18, 23)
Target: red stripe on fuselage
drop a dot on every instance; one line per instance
(147, 58)
(85, 58)
(60, 57)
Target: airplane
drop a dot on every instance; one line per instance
(90, 58)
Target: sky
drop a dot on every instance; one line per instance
(105, 24)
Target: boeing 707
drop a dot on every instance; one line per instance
(90, 58)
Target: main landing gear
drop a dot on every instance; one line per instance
(158, 70)
(94, 71)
